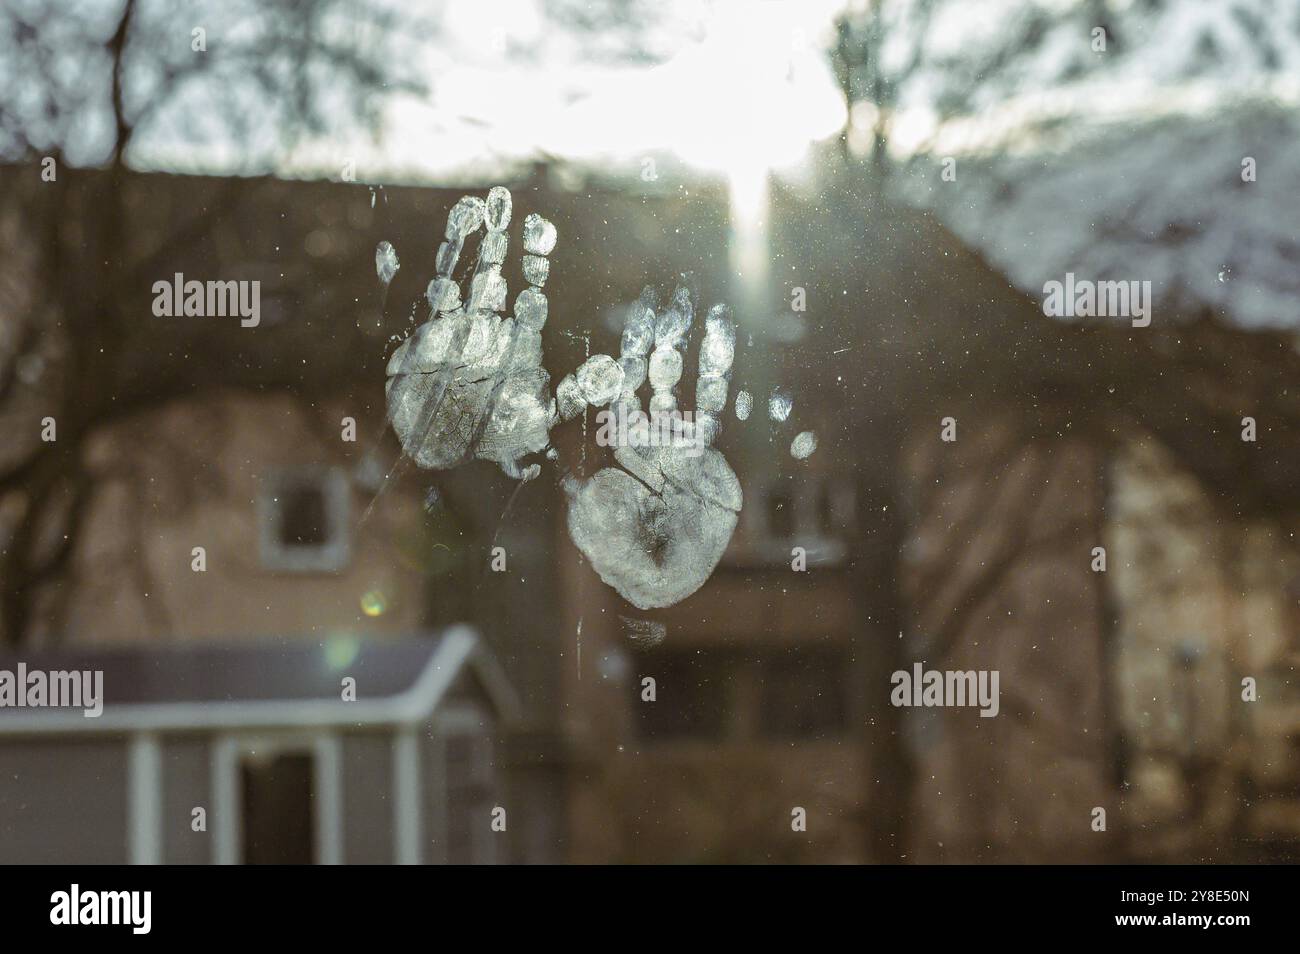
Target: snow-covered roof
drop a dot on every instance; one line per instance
(1173, 202)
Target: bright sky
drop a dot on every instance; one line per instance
(748, 87)
(737, 87)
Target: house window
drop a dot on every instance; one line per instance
(827, 509)
(304, 520)
(693, 691)
(828, 519)
(780, 515)
(719, 695)
(814, 513)
(278, 803)
(802, 694)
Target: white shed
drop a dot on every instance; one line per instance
(259, 753)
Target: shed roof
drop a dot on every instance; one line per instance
(266, 683)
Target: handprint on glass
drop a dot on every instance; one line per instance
(469, 383)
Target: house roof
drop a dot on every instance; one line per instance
(277, 683)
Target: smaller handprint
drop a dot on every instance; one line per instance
(655, 525)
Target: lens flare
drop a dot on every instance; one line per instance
(374, 603)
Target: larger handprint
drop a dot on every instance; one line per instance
(470, 383)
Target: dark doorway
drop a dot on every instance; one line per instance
(279, 824)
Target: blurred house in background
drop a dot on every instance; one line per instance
(771, 684)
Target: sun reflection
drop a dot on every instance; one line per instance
(756, 90)
(748, 252)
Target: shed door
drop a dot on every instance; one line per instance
(277, 809)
